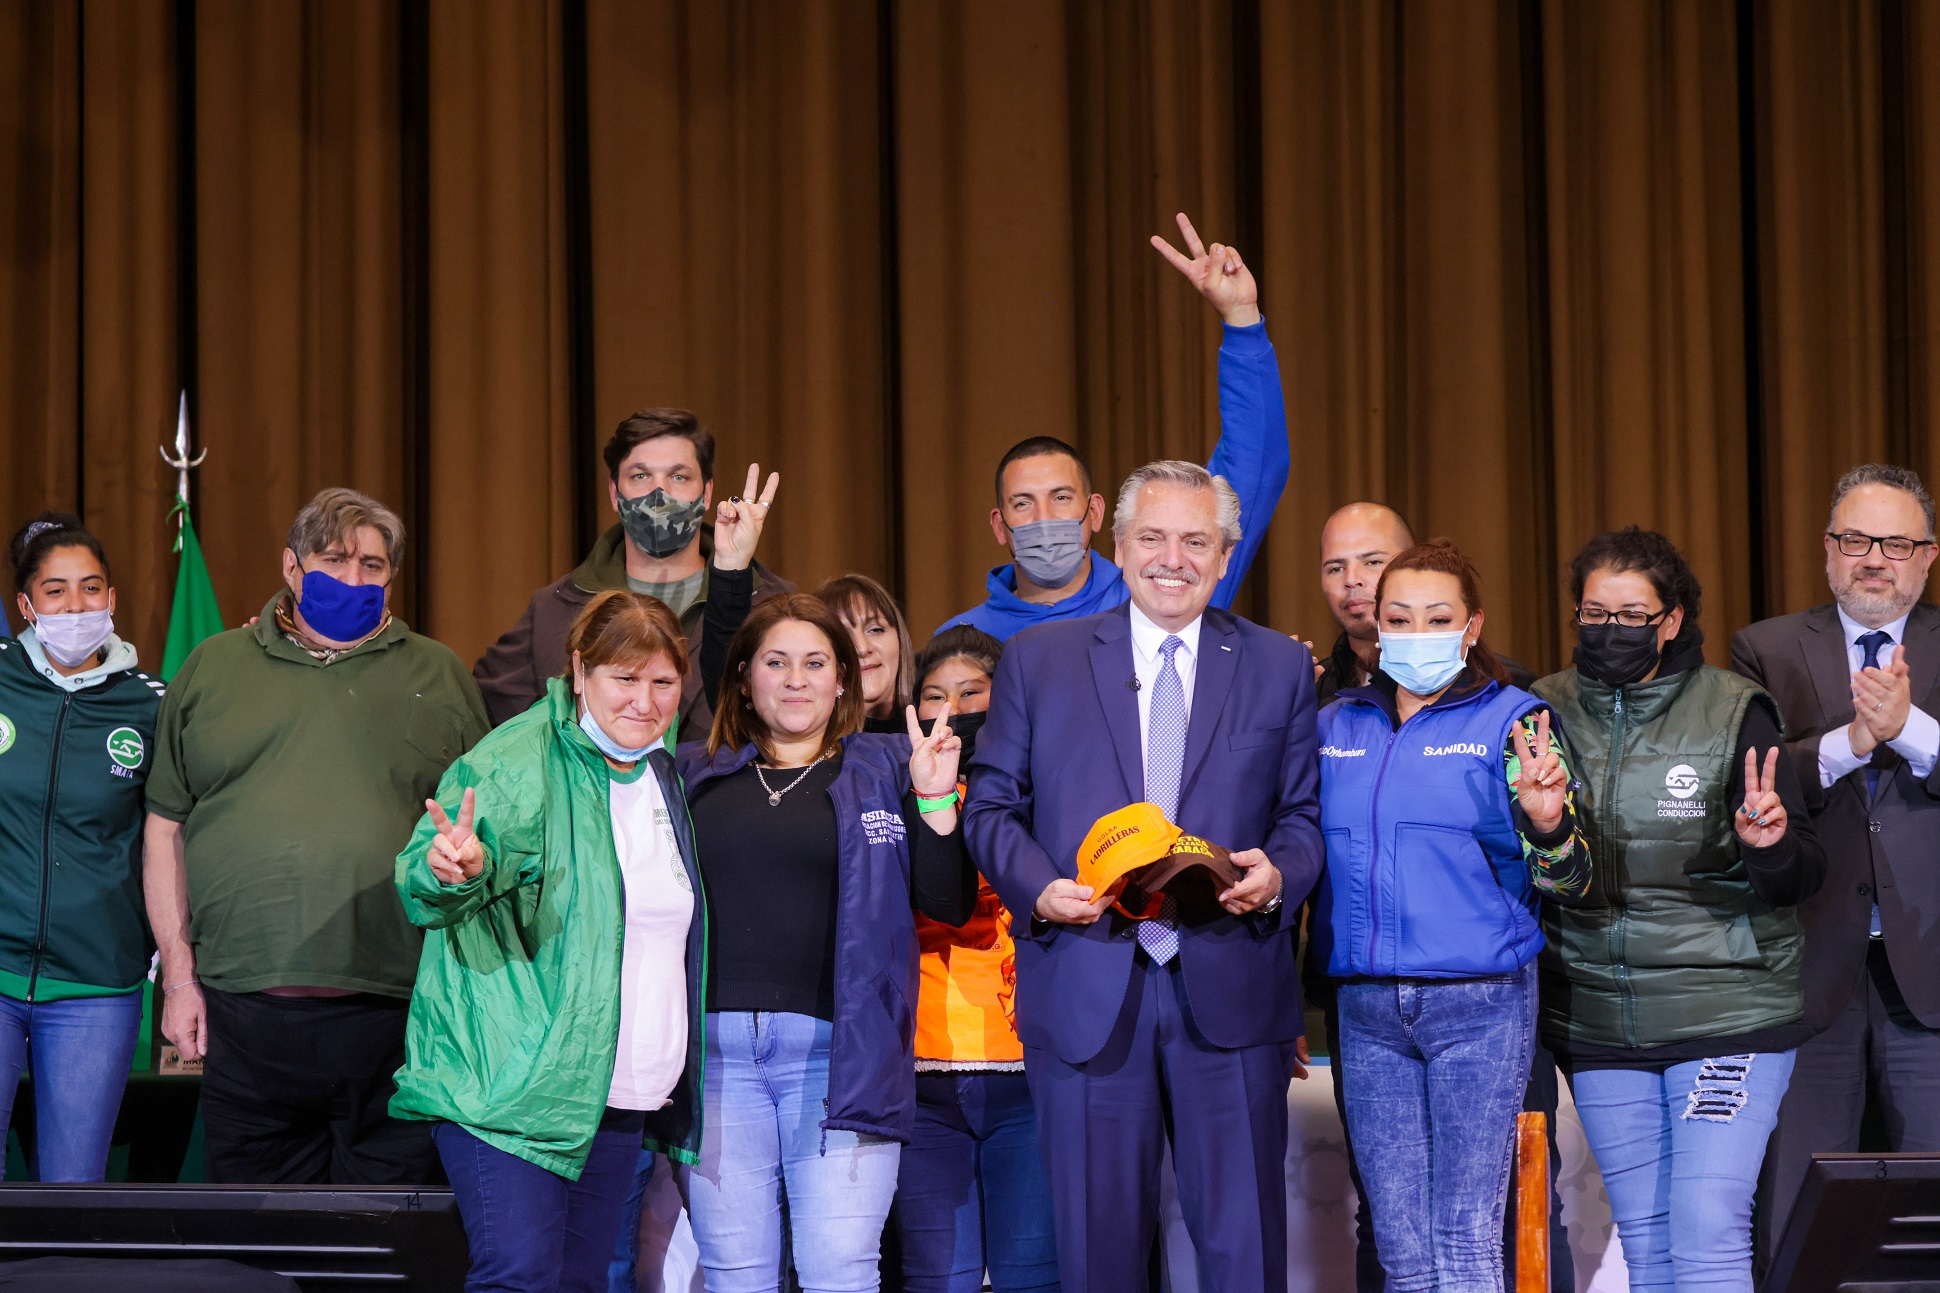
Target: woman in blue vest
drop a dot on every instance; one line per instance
(1671, 997)
(818, 842)
(77, 735)
(1446, 813)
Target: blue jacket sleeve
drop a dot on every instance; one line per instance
(1253, 453)
(1294, 841)
(998, 816)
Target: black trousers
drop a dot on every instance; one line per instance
(296, 1091)
(1874, 1048)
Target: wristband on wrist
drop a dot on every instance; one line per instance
(183, 984)
(927, 804)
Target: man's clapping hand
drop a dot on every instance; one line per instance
(456, 855)
(1882, 698)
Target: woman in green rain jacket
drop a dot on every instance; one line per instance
(556, 1022)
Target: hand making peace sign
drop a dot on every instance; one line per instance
(738, 521)
(456, 855)
(933, 758)
(1219, 274)
(1542, 787)
(1761, 818)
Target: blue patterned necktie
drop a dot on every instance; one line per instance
(1165, 759)
(1872, 644)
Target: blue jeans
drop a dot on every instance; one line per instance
(623, 1275)
(531, 1230)
(1435, 1076)
(80, 1050)
(1680, 1152)
(975, 1195)
(766, 1086)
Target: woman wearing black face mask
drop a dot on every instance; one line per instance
(1671, 996)
(973, 1197)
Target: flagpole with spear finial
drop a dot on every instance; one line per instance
(183, 464)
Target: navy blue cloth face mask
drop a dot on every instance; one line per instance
(340, 612)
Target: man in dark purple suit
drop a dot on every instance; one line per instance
(1184, 1025)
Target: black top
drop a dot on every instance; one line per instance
(771, 887)
(730, 596)
(1784, 875)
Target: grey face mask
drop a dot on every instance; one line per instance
(659, 524)
(1049, 552)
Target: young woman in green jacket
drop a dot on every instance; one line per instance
(77, 735)
(556, 1022)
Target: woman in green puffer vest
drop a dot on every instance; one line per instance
(1670, 996)
(556, 1023)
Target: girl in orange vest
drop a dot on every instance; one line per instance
(972, 1196)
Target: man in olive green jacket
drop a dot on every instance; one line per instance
(660, 464)
(291, 759)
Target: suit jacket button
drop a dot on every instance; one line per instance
(1865, 889)
(1130, 931)
(1873, 827)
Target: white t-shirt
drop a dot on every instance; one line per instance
(653, 958)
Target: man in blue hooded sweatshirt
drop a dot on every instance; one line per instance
(1047, 513)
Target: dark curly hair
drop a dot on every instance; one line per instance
(1645, 552)
(35, 541)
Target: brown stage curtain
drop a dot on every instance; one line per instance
(1533, 268)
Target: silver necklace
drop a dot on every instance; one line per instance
(774, 796)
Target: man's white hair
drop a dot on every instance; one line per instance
(1173, 471)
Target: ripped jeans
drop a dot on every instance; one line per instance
(1680, 1152)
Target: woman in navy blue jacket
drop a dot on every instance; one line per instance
(818, 841)
(1446, 811)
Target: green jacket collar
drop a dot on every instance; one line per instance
(605, 565)
(116, 657)
(1644, 701)
(563, 708)
(271, 638)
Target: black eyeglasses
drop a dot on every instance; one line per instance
(1854, 544)
(1595, 615)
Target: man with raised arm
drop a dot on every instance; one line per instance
(1047, 510)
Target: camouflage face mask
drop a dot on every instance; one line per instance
(659, 524)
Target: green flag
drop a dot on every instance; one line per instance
(194, 615)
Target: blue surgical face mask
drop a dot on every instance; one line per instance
(1423, 663)
(338, 611)
(605, 744)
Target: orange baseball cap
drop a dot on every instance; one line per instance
(1121, 842)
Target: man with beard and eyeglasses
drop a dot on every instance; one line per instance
(660, 465)
(1857, 684)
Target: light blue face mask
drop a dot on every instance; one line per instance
(606, 745)
(1423, 663)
